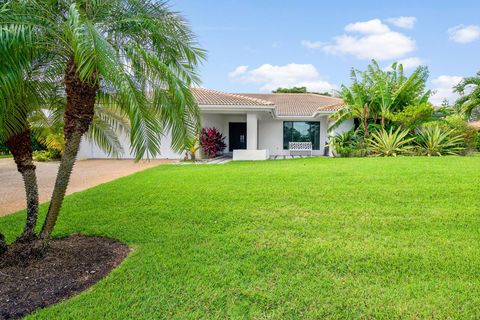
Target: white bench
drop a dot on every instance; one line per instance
(300, 148)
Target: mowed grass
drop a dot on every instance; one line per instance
(294, 239)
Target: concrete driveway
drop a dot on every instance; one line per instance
(86, 174)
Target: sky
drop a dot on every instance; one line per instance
(257, 46)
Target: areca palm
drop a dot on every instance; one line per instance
(133, 55)
(471, 100)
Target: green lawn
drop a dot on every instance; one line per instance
(295, 239)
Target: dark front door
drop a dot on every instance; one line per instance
(237, 135)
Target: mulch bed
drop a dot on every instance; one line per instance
(71, 265)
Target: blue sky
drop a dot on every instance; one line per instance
(255, 46)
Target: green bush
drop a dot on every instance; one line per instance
(46, 155)
(348, 144)
(478, 141)
(438, 141)
(390, 143)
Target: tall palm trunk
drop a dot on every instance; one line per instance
(21, 148)
(79, 113)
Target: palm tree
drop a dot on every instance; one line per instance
(132, 55)
(468, 102)
(357, 99)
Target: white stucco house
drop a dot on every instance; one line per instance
(256, 125)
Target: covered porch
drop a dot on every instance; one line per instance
(241, 131)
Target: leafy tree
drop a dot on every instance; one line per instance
(377, 94)
(469, 89)
(299, 90)
(133, 55)
(291, 90)
(413, 116)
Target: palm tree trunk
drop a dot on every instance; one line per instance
(21, 148)
(78, 116)
(383, 121)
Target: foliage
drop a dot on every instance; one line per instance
(478, 141)
(376, 94)
(469, 89)
(411, 117)
(348, 144)
(390, 143)
(291, 90)
(191, 148)
(436, 141)
(461, 128)
(299, 90)
(212, 142)
(136, 57)
(47, 155)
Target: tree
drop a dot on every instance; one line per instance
(357, 99)
(378, 94)
(299, 90)
(469, 89)
(132, 55)
(291, 90)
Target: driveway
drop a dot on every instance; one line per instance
(86, 174)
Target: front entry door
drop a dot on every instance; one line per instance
(237, 135)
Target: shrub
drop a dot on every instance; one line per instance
(436, 141)
(47, 155)
(478, 141)
(390, 143)
(413, 116)
(348, 144)
(212, 142)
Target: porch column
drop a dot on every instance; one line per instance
(252, 131)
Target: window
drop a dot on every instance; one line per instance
(298, 131)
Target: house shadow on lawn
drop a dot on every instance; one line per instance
(72, 265)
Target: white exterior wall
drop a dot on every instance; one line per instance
(89, 150)
(270, 134)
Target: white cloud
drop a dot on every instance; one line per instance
(464, 34)
(312, 44)
(443, 88)
(411, 62)
(368, 27)
(271, 77)
(376, 41)
(403, 22)
(238, 71)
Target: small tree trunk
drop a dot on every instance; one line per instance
(20, 146)
(365, 120)
(383, 121)
(79, 113)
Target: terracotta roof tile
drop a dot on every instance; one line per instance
(212, 97)
(286, 104)
(299, 104)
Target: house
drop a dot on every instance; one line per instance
(256, 125)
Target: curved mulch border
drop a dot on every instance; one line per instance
(72, 265)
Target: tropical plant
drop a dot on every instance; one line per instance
(411, 117)
(390, 143)
(356, 100)
(212, 142)
(436, 141)
(191, 148)
(347, 144)
(135, 55)
(469, 89)
(393, 91)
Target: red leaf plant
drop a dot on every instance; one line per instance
(212, 142)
